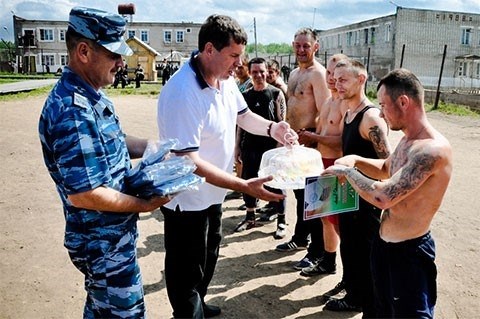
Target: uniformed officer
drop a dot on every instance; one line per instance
(88, 156)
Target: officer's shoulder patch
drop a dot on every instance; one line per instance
(80, 100)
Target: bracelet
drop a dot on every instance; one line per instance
(269, 128)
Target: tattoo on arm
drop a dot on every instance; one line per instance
(360, 180)
(379, 143)
(417, 169)
(282, 106)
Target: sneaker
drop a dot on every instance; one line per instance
(304, 263)
(210, 311)
(335, 290)
(319, 268)
(289, 246)
(244, 225)
(268, 216)
(342, 305)
(281, 231)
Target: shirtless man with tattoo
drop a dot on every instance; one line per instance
(409, 186)
(328, 137)
(307, 92)
(365, 134)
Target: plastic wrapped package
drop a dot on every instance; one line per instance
(162, 174)
(290, 166)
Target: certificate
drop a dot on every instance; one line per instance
(324, 196)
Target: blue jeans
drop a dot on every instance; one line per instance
(404, 277)
(192, 242)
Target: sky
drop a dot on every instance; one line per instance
(276, 21)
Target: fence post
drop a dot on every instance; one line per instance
(401, 58)
(437, 96)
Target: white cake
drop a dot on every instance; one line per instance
(290, 166)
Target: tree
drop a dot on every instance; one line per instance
(272, 48)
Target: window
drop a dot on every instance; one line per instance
(167, 36)
(339, 40)
(131, 33)
(46, 35)
(365, 32)
(61, 35)
(462, 68)
(349, 38)
(478, 70)
(180, 36)
(145, 36)
(466, 36)
(388, 30)
(372, 35)
(189, 30)
(28, 39)
(63, 59)
(357, 37)
(48, 59)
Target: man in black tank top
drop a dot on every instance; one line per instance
(364, 134)
(268, 102)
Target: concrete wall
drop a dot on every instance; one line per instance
(472, 100)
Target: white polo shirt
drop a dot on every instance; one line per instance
(203, 119)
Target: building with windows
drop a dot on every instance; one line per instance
(414, 39)
(41, 43)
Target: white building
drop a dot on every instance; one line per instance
(41, 43)
(414, 39)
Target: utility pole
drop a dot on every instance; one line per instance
(255, 36)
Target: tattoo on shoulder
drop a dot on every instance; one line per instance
(417, 169)
(379, 143)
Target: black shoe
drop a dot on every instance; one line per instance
(268, 216)
(319, 268)
(210, 311)
(289, 246)
(335, 290)
(233, 195)
(245, 224)
(342, 305)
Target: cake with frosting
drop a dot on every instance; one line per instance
(290, 166)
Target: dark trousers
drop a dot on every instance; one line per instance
(405, 277)
(251, 163)
(312, 227)
(192, 240)
(357, 231)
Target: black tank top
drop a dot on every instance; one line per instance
(353, 142)
(263, 104)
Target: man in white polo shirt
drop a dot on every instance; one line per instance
(200, 106)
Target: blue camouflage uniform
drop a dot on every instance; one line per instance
(84, 148)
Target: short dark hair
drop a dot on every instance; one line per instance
(219, 30)
(272, 63)
(402, 82)
(256, 61)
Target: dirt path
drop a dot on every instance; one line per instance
(252, 280)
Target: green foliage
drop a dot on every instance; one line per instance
(150, 89)
(453, 109)
(272, 48)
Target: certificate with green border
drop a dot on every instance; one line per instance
(324, 196)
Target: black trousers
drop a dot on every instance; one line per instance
(251, 163)
(357, 231)
(312, 227)
(192, 240)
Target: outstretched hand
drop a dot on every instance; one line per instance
(256, 189)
